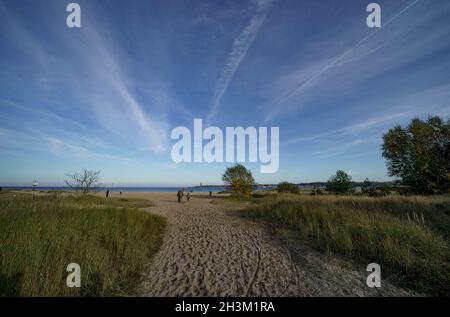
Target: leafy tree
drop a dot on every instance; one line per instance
(239, 178)
(340, 183)
(420, 155)
(285, 187)
(84, 181)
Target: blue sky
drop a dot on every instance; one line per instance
(107, 95)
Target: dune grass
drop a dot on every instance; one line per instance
(407, 236)
(41, 234)
(110, 202)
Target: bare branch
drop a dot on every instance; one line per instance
(85, 181)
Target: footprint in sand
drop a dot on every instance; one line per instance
(210, 251)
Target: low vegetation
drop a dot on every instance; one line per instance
(41, 234)
(408, 236)
(285, 187)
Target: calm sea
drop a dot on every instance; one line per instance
(202, 189)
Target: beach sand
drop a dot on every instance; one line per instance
(209, 250)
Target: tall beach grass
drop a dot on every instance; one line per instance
(41, 235)
(407, 236)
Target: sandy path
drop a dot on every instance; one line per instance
(210, 251)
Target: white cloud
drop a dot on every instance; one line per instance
(64, 149)
(115, 104)
(238, 52)
(97, 82)
(356, 128)
(343, 68)
(340, 149)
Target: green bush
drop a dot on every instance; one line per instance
(285, 187)
(341, 183)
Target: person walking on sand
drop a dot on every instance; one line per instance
(107, 193)
(210, 193)
(179, 195)
(188, 196)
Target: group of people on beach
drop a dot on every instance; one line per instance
(180, 195)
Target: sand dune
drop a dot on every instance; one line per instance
(210, 251)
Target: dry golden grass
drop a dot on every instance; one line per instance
(41, 234)
(407, 236)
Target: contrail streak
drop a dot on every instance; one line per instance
(338, 59)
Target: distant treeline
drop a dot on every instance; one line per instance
(316, 184)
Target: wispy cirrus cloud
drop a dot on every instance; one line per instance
(108, 94)
(115, 104)
(339, 150)
(109, 100)
(353, 129)
(65, 149)
(238, 52)
(404, 108)
(309, 78)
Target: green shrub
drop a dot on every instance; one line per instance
(341, 183)
(285, 187)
